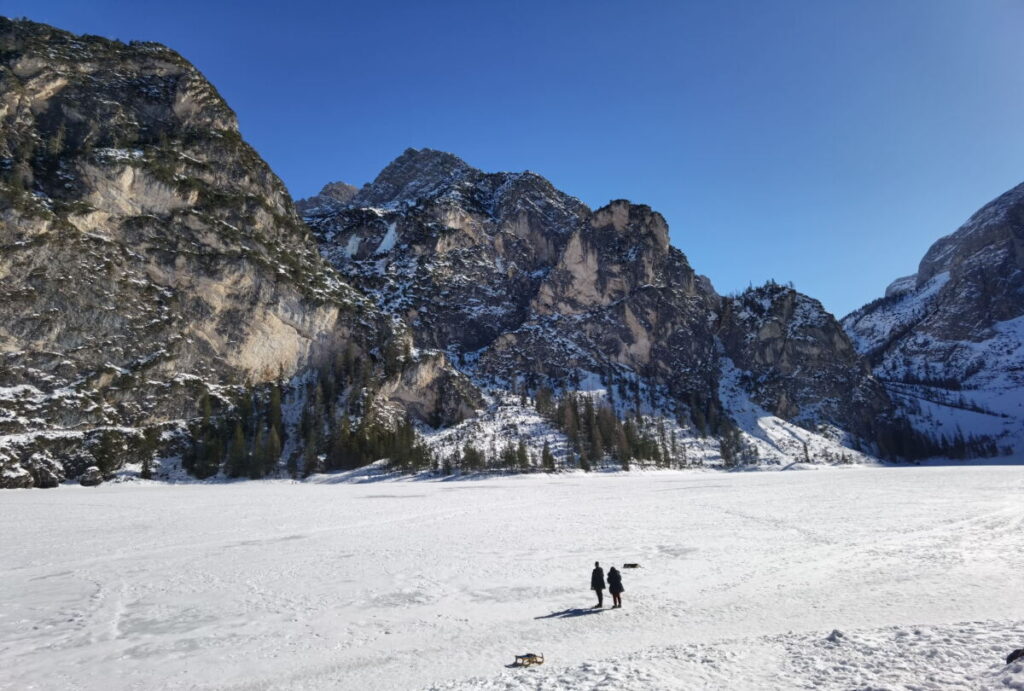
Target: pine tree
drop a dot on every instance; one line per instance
(472, 459)
(273, 451)
(570, 420)
(508, 457)
(276, 421)
(150, 441)
(258, 456)
(547, 459)
(237, 456)
(522, 456)
(545, 402)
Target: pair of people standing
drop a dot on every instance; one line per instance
(614, 585)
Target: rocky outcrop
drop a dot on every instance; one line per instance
(456, 253)
(333, 196)
(799, 363)
(967, 292)
(144, 246)
(431, 391)
(619, 303)
(91, 477)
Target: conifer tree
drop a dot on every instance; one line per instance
(273, 450)
(237, 455)
(522, 456)
(545, 402)
(547, 459)
(150, 441)
(258, 456)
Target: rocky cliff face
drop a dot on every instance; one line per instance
(800, 364)
(146, 248)
(333, 196)
(621, 305)
(456, 253)
(159, 294)
(949, 340)
(524, 287)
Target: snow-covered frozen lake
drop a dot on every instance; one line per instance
(413, 584)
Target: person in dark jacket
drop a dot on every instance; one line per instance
(615, 587)
(597, 583)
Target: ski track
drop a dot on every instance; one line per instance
(421, 584)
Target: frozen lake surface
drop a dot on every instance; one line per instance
(421, 584)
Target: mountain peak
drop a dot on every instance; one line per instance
(333, 196)
(416, 173)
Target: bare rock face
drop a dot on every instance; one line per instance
(431, 391)
(333, 196)
(524, 287)
(627, 303)
(456, 253)
(967, 284)
(145, 245)
(91, 477)
(799, 362)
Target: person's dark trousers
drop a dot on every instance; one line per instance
(600, 597)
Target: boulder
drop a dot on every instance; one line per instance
(91, 477)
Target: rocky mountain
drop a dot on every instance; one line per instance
(801, 364)
(524, 289)
(147, 255)
(333, 196)
(949, 341)
(165, 310)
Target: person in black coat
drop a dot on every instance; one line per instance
(597, 583)
(615, 587)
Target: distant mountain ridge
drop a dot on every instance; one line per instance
(167, 313)
(525, 288)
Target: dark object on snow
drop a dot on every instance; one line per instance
(597, 583)
(631, 566)
(615, 581)
(91, 477)
(528, 659)
(1015, 655)
(615, 586)
(836, 636)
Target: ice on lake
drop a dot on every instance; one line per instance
(421, 584)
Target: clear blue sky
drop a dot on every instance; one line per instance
(826, 143)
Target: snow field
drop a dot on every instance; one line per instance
(402, 584)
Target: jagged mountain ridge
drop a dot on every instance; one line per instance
(153, 263)
(523, 287)
(949, 340)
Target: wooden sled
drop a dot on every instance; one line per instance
(529, 659)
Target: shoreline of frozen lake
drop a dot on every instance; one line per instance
(414, 584)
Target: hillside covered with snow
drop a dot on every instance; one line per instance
(949, 341)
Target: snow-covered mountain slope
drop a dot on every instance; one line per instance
(949, 341)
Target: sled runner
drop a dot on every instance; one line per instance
(529, 659)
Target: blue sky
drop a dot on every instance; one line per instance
(824, 143)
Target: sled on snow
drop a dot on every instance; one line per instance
(529, 659)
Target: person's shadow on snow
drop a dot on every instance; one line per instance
(571, 612)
